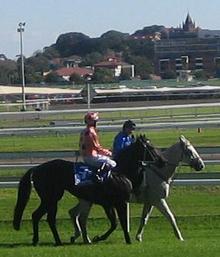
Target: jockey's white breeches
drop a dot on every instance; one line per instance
(98, 160)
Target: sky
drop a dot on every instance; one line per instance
(45, 20)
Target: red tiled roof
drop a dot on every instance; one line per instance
(77, 70)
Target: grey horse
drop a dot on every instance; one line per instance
(157, 183)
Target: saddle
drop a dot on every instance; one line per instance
(85, 174)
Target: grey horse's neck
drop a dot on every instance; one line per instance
(173, 155)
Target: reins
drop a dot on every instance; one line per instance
(152, 165)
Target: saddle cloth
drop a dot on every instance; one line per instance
(85, 174)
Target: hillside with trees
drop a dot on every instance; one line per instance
(136, 49)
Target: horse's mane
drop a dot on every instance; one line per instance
(154, 153)
(151, 152)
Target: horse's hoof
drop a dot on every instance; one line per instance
(139, 238)
(72, 239)
(87, 241)
(96, 239)
(58, 244)
(34, 242)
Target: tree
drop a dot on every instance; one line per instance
(125, 75)
(8, 72)
(77, 79)
(143, 67)
(52, 77)
(103, 75)
(39, 63)
(169, 75)
(143, 48)
(66, 44)
(150, 30)
(203, 75)
(50, 53)
(91, 59)
(114, 40)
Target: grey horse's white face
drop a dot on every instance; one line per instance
(190, 155)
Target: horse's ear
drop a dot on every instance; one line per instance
(182, 138)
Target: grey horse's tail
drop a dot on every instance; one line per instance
(24, 190)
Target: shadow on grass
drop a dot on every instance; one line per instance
(44, 244)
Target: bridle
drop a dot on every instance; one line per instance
(144, 162)
(151, 165)
(194, 160)
(187, 152)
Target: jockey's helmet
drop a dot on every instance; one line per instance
(91, 117)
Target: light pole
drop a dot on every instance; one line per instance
(21, 30)
(88, 93)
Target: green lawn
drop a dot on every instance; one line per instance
(59, 142)
(161, 138)
(150, 115)
(197, 210)
(202, 237)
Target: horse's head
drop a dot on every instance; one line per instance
(190, 155)
(141, 146)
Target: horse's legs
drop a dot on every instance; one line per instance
(51, 218)
(165, 210)
(122, 215)
(79, 215)
(36, 216)
(110, 212)
(74, 215)
(83, 217)
(147, 209)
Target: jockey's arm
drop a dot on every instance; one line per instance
(117, 144)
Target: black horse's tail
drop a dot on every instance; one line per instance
(24, 191)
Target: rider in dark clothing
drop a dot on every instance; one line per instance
(124, 138)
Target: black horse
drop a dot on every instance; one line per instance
(52, 178)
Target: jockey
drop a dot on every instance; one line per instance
(124, 138)
(92, 152)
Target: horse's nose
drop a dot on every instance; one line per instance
(201, 165)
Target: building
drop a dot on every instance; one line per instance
(117, 67)
(72, 61)
(65, 73)
(68, 62)
(188, 49)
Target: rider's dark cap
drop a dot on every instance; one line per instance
(129, 124)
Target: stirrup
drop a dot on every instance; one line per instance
(98, 179)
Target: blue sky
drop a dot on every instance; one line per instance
(47, 19)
